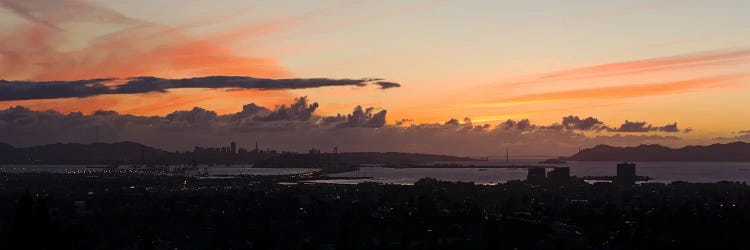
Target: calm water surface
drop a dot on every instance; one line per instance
(211, 171)
(659, 171)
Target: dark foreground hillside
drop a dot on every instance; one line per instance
(153, 212)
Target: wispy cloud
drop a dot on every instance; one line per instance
(646, 65)
(627, 91)
(276, 25)
(52, 13)
(33, 50)
(649, 65)
(742, 135)
(20, 9)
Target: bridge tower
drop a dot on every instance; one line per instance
(507, 155)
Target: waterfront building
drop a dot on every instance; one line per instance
(559, 175)
(536, 175)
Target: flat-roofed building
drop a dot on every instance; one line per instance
(536, 175)
(559, 175)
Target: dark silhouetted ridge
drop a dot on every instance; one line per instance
(76, 153)
(731, 152)
(134, 153)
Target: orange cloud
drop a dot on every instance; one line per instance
(34, 51)
(40, 50)
(650, 65)
(628, 91)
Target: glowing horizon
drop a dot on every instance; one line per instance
(659, 61)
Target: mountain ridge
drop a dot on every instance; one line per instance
(730, 152)
(135, 153)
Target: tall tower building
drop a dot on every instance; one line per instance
(233, 146)
(625, 174)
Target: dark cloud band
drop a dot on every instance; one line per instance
(642, 127)
(30, 90)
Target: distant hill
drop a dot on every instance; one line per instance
(135, 153)
(75, 153)
(731, 152)
(5, 147)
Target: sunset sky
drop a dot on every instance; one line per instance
(657, 61)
